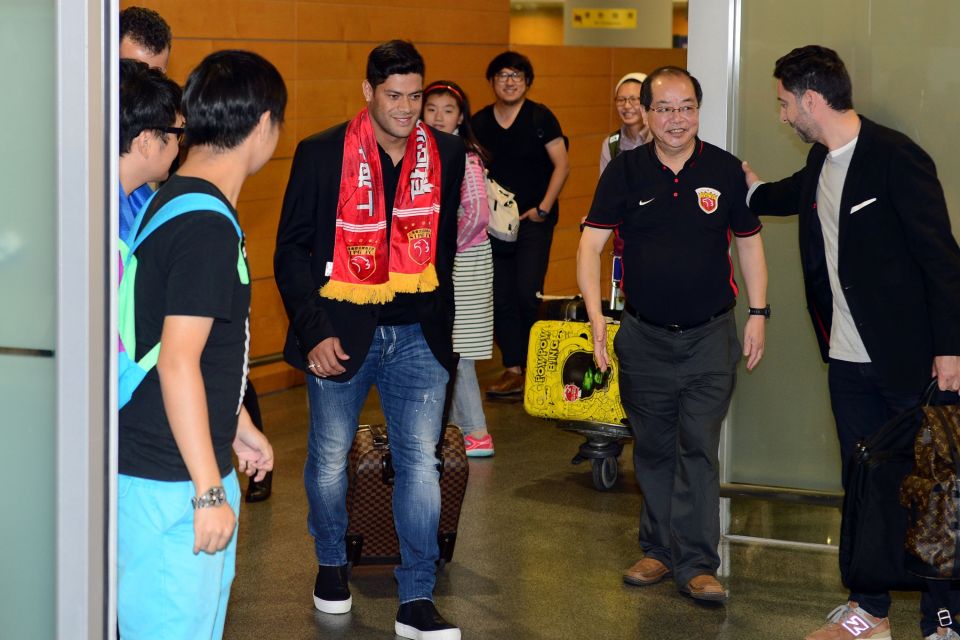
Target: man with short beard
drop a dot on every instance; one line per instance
(882, 274)
(363, 261)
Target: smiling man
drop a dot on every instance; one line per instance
(676, 202)
(881, 270)
(364, 257)
(529, 157)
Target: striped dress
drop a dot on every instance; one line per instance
(473, 268)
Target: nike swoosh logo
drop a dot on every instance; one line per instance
(644, 202)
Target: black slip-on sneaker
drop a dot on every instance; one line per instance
(420, 620)
(331, 594)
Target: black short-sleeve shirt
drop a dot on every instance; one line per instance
(518, 158)
(676, 230)
(190, 266)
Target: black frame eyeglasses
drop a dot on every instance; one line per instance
(177, 131)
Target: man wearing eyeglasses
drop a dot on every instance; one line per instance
(676, 202)
(529, 158)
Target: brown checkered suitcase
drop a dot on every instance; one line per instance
(371, 535)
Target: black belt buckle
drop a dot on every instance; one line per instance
(673, 328)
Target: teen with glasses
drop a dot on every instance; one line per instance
(528, 156)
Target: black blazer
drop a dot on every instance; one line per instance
(898, 262)
(305, 244)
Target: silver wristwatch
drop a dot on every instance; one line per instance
(212, 497)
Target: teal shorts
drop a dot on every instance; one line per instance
(165, 592)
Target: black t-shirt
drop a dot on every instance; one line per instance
(676, 230)
(518, 158)
(190, 266)
(401, 309)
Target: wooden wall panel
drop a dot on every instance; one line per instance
(321, 47)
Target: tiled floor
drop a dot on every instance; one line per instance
(539, 555)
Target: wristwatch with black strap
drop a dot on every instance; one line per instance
(758, 311)
(543, 213)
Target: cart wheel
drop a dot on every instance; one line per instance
(604, 473)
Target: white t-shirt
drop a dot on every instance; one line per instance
(845, 341)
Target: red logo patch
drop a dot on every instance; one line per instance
(363, 265)
(708, 199)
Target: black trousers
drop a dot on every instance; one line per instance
(519, 269)
(861, 404)
(676, 389)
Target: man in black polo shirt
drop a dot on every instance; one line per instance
(676, 202)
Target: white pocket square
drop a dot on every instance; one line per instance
(863, 204)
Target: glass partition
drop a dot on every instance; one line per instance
(902, 58)
(28, 262)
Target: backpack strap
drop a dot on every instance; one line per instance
(177, 206)
(613, 144)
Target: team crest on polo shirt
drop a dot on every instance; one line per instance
(708, 198)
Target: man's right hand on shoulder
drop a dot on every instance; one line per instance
(749, 175)
(212, 528)
(324, 359)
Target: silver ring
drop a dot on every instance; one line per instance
(311, 366)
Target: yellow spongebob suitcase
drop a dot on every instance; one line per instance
(563, 383)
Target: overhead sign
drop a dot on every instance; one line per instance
(594, 18)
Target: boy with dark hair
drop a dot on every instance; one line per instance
(150, 126)
(176, 564)
(146, 36)
(364, 258)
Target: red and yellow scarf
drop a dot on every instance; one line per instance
(369, 267)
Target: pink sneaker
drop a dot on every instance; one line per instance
(478, 447)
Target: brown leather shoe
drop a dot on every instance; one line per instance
(706, 587)
(646, 572)
(509, 384)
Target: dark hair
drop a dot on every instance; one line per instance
(646, 89)
(149, 100)
(147, 28)
(511, 60)
(465, 128)
(816, 68)
(226, 95)
(397, 57)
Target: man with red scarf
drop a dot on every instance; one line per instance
(363, 262)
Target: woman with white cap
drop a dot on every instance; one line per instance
(632, 133)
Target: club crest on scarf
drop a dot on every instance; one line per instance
(369, 267)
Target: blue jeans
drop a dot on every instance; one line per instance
(164, 590)
(466, 409)
(412, 386)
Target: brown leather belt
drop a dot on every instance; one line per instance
(676, 328)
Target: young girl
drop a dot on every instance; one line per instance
(446, 108)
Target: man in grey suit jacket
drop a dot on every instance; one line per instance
(881, 270)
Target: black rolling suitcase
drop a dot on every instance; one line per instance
(371, 535)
